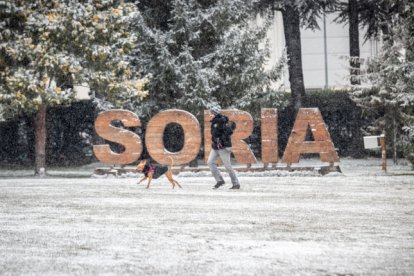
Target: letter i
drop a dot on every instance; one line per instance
(269, 135)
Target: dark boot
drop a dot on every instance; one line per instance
(235, 187)
(218, 184)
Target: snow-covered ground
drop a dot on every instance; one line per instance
(359, 222)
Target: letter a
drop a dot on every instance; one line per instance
(312, 118)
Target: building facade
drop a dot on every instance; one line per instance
(325, 52)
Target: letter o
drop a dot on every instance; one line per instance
(155, 132)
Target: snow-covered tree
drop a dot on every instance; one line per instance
(48, 47)
(203, 52)
(372, 15)
(391, 100)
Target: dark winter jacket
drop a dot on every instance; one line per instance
(157, 170)
(221, 131)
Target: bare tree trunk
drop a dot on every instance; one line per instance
(394, 140)
(354, 41)
(291, 25)
(40, 141)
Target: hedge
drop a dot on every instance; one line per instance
(71, 132)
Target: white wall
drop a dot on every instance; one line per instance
(313, 52)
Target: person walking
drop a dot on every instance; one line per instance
(221, 131)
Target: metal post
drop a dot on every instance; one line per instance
(383, 153)
(325, 48)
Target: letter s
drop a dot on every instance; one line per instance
(131, 141)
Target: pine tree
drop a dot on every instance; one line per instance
(392, 75)
(297, 14)
(204, 52)
(350, 14)
(47, 47)
(373, 16)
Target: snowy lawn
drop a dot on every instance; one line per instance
(357, 223)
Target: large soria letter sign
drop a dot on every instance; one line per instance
(307, 118)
